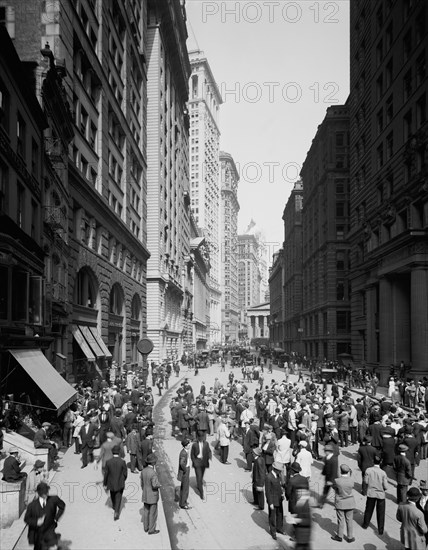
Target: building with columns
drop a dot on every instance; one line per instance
(389, 190)
(258, 320)
(169, 269)
(204, 109)
(248, 277)
(229, 179)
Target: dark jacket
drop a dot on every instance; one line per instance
(115, 473)
(273, 490)
(87, 435)
(259, 472)
(403, 470)
(365, 457)
(294, 483)
(53, 511)
(203, 462)
(331, 469)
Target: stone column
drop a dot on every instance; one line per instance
(419, 320)
(371, 324)
(386, 322)
(402, 337)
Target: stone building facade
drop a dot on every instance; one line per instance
(389, 191)
(169, 293)
(325, 215)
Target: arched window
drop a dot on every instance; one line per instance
(85, 293)
(136, 308)
(116, 300)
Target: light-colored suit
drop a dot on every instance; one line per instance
(150, 485)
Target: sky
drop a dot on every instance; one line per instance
(279, 65)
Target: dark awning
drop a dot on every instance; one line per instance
(59, 392)
(83, 344)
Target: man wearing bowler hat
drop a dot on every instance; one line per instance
(413, 527)
(296, 482)
(115, 474)
(42, 516)
(274, 499)
(150, 485)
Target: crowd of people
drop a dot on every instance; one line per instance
(283, 428)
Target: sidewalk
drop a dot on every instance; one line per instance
(88, 518)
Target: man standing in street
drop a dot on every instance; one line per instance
(258, 479)
(115, 473)
(377, 483)
(422, 503)
(413, 527)
(201, 455)
(330, 472)
(403, 472)
(184, 473)
(344, 504)
(365, 459)
(223, 435)
(274, 499)
(42, 516)
(150, 485)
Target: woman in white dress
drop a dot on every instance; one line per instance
(391, 386)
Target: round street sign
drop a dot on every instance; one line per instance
(145, 346)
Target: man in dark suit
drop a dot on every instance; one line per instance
(42, 516)
(274, 499)
(365, 459)
(146, 448)
(87, 436)
(184, 462)
(250, 442)
(115, 473)
(296, 482)
(258, 478)
(201, 455)
(403, 472)
(203, 421)
(330, 471)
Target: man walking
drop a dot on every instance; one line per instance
(115, 473)
(184, 462)
(377, 483)
(201, 455)
(330, 472)
(274, 499)
(87, 438)
(42, 516)
(150, 485)
(223, 435)
(365, 459)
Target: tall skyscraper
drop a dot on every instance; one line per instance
(169, 294)
(389, 190)
(229, 179)
(248, 277)
(204, 106)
